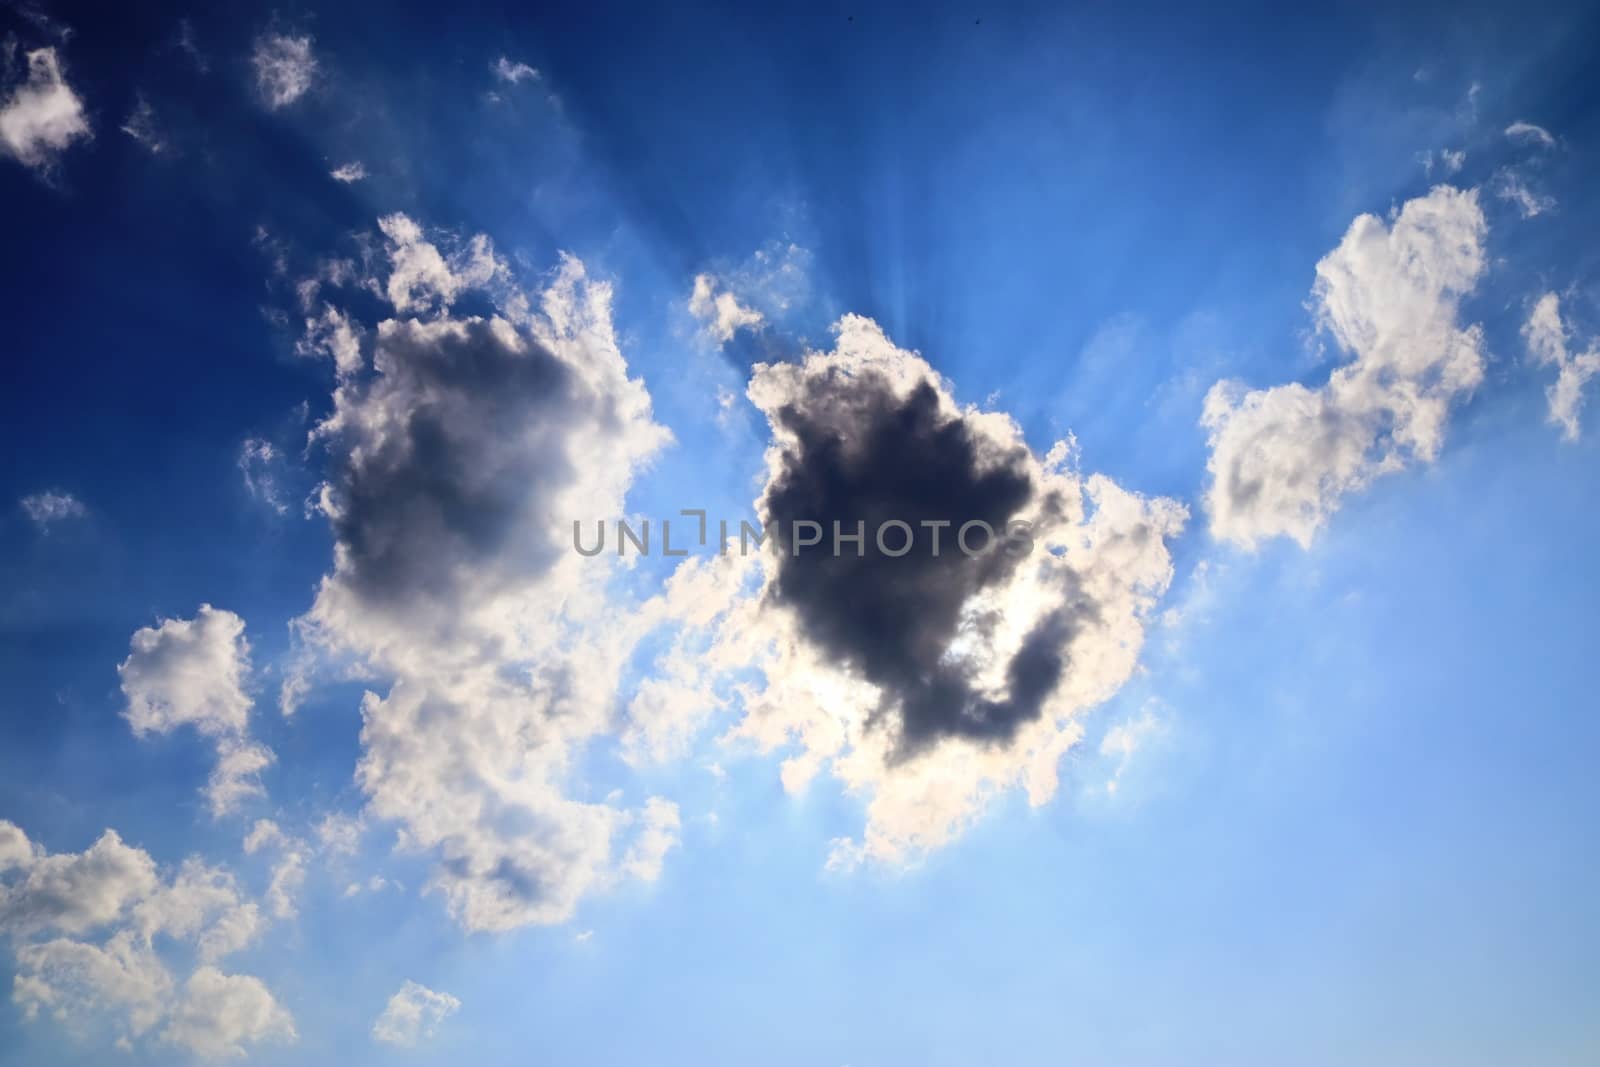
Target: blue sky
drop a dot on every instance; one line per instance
(394, 777)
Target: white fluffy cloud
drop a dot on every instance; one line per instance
(75, 892)
(1282, 458)
(96, 934)
(219, 1014)
(458, 460)
(15, 848)
(47, 508)
(422, 278)
(42, 116)
(413, 1015)
(285, 68)
(1547, 337)
(349, 173)
(188, 672)
(192, 672)
(1029, 647)
(119, 985)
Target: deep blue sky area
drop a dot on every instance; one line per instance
(1340, 811)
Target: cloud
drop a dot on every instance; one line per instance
(43, 116)
(119, 983)
(844, 438)
(188, 672)
(15, 848)
(513, 73)
(141, 126)
(1546, 336)
(236, 777)
(1528, 133)
(288, 870)
(413, 1015)
(220, 1014)
(1124, 740)
(746, 296)
(422, 278)
(1511, 187)
(285, 68)
(456, 463)
(927, 685)
(340, 834)
(1445, 160)
(94, 935)
(201, 904)
(185, 43)
(191, 672)
(721, 312)
(349, 172)
(52, 506)
(260, 465)
(333, 335)
(657, 836)
(76, 892)
(264, 834)
(1282, 458)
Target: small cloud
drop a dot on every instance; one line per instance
(285, 68)
(190, 47)
(1528, 133)
(141, 126)
(1445, 161)
(1529, 204)
(340, 834)
(194, 673)
(727, 405)
(413, 1015)
(720, 310)
(43, 116)
(1125, 739)
(513, 73)
(376, 884)
(350, 172)
(52, 506)
(1547, 338)
(261, 465)
(585, 935)
(765, 288)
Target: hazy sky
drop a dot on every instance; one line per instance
(319, 744)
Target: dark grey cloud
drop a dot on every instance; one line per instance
(859, 451)
(447, 454)
(457, 458)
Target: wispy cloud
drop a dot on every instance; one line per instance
(1528, 133)
(285, 68)
(513, 73)
(52, 506)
